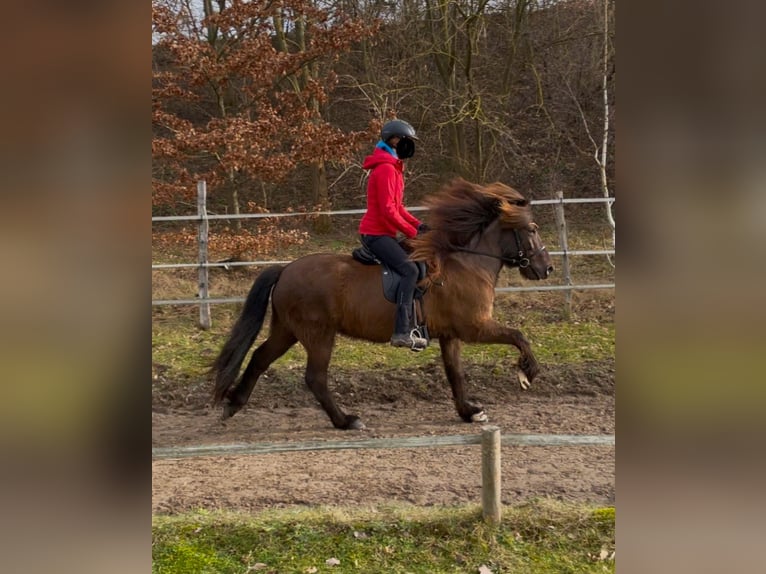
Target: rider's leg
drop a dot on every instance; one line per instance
(388, 250)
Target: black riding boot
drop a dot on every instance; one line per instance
(404, 331)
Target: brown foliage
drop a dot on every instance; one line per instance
(238, 244)
(501, 91)
(230, 107)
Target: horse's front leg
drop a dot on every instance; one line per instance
(493, 332)
(453, 367)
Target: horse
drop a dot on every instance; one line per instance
(474, 232)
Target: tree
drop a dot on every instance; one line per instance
(237, 91)
(497, 90)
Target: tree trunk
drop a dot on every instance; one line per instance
(234, 200)
(605, 140)
(323, 223)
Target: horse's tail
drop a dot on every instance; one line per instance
(226, 366)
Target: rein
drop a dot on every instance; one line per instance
(522, 260)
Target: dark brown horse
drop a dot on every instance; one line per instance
(476, 231)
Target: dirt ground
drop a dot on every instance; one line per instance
(576, 399)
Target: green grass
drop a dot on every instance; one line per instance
(576, 342)
(542, 536)
(186, 351)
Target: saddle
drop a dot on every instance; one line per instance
(391, 281)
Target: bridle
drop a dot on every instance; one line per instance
(521, 260)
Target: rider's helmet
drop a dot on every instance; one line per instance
(397, 128)
(406, 133)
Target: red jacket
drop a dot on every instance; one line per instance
(386, 213)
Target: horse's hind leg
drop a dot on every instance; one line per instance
(453, 367)
(316, 378)
(276, 345)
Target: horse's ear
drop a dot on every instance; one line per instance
(519, 201)
(503, 205)
(515, 212)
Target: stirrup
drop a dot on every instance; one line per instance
(411, 340)
(418, 336)
(419, 342)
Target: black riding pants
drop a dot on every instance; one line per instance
(388, 250)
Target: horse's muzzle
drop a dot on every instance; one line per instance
(548, 271)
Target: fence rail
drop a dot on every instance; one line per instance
(216, 301)
(203, 265)
(376, 443)
(490, 440)
(211, 217)
(285, 262)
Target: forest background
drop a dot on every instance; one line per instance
(275, 104)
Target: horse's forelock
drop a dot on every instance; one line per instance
(513, 208)
(506, 192)
(515, 216)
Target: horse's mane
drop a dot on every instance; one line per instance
(459, 211)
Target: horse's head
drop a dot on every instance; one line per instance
(523, 248)
(520, 242)
(466, 218)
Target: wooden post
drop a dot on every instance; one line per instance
(202, 238)
(561, 225)
(490, 474)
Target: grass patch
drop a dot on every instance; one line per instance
(575, 342)
(182, 354)
(185, 351)
(538, 537)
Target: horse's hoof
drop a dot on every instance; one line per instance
(229, 411)
(523, 380)
(356, 424)
(480, 417)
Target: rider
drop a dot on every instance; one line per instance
(386, 216)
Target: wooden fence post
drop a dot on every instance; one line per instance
(490, 474)
(561, 225)
(202, 239)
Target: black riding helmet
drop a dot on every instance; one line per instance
(406, 133)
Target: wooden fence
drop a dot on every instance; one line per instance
(490, 440)
(203, 265)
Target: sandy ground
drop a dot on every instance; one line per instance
(563, 400)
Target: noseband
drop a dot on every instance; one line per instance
(523, 257)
